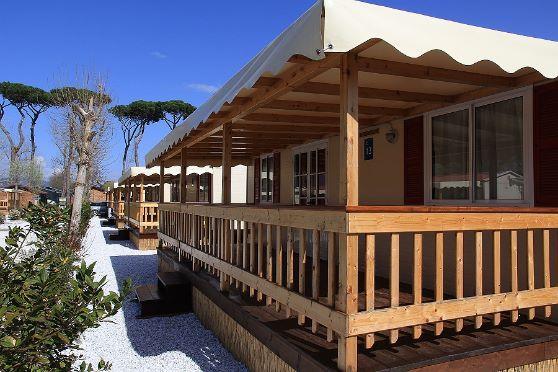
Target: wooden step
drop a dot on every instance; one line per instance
(150, 300)
(122, 234)
(168, 279)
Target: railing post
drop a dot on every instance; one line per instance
(162, 183)
(226, 197)
(183, 174)
(226, 164)
(348, 196)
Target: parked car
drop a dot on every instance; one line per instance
(100, 209)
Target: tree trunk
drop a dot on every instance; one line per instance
(79, 189)
(125, 156)
(33, 144)
(15, 173)
(136, 148)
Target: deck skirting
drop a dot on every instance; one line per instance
(241, 343)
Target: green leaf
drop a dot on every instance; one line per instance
(8, 342)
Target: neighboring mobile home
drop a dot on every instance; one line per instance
(138, 193)
(402, 189)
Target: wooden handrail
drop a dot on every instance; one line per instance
(250, 247)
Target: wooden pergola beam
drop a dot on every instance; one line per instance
(286, 81)
(379, 66)
(285, 128)
(331, 108)
(375, 93)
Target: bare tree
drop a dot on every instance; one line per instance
(88, 105)
(63, 128)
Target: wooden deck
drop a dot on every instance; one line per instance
(488, 348)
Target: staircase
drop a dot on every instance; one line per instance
(171, 295)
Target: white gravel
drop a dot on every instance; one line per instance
(178, 343)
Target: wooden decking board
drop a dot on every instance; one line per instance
(294, 343)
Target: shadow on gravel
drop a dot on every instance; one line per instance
(106, 235)
(155, 336)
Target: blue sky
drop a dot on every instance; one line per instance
(161, 50)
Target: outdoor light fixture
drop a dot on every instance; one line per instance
(392, 135)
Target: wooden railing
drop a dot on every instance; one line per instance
(443, 267)
(4, 205)
(117, 208)
(142, 215)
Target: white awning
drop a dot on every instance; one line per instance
(347, 24)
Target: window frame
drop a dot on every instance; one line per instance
(308, 148)
(269, 192)
(527, 95)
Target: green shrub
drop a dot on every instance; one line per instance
(86, 215)
(14, 214)
(2, 218)
(48, 297)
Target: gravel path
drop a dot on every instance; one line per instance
(178, 343)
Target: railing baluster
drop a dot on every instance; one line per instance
(227, 250)
(232, 252)
(195, 263)
(439, 326)
(546, 267)
(290, 268)
(478, 272)
(252, 255)
(331, 280)
(513, 254)
(369, 280)
(496, 259)
(260, 257)
(531, 268)
(301, 269)
(244, 253)
(315, 271)
(459, 274)
(269, 257)
(278, 262)
(394, 281)
(417, 278)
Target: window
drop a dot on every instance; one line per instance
(478, 152)
(175, 190)
(204, 195)
(309, 166)
(266, 179)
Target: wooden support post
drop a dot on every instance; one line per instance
(226, 163)
(331, 282)
(348, 196)
(348, 298)
(183, 174)
(348, 149)
(141, 191)
(162, 183)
